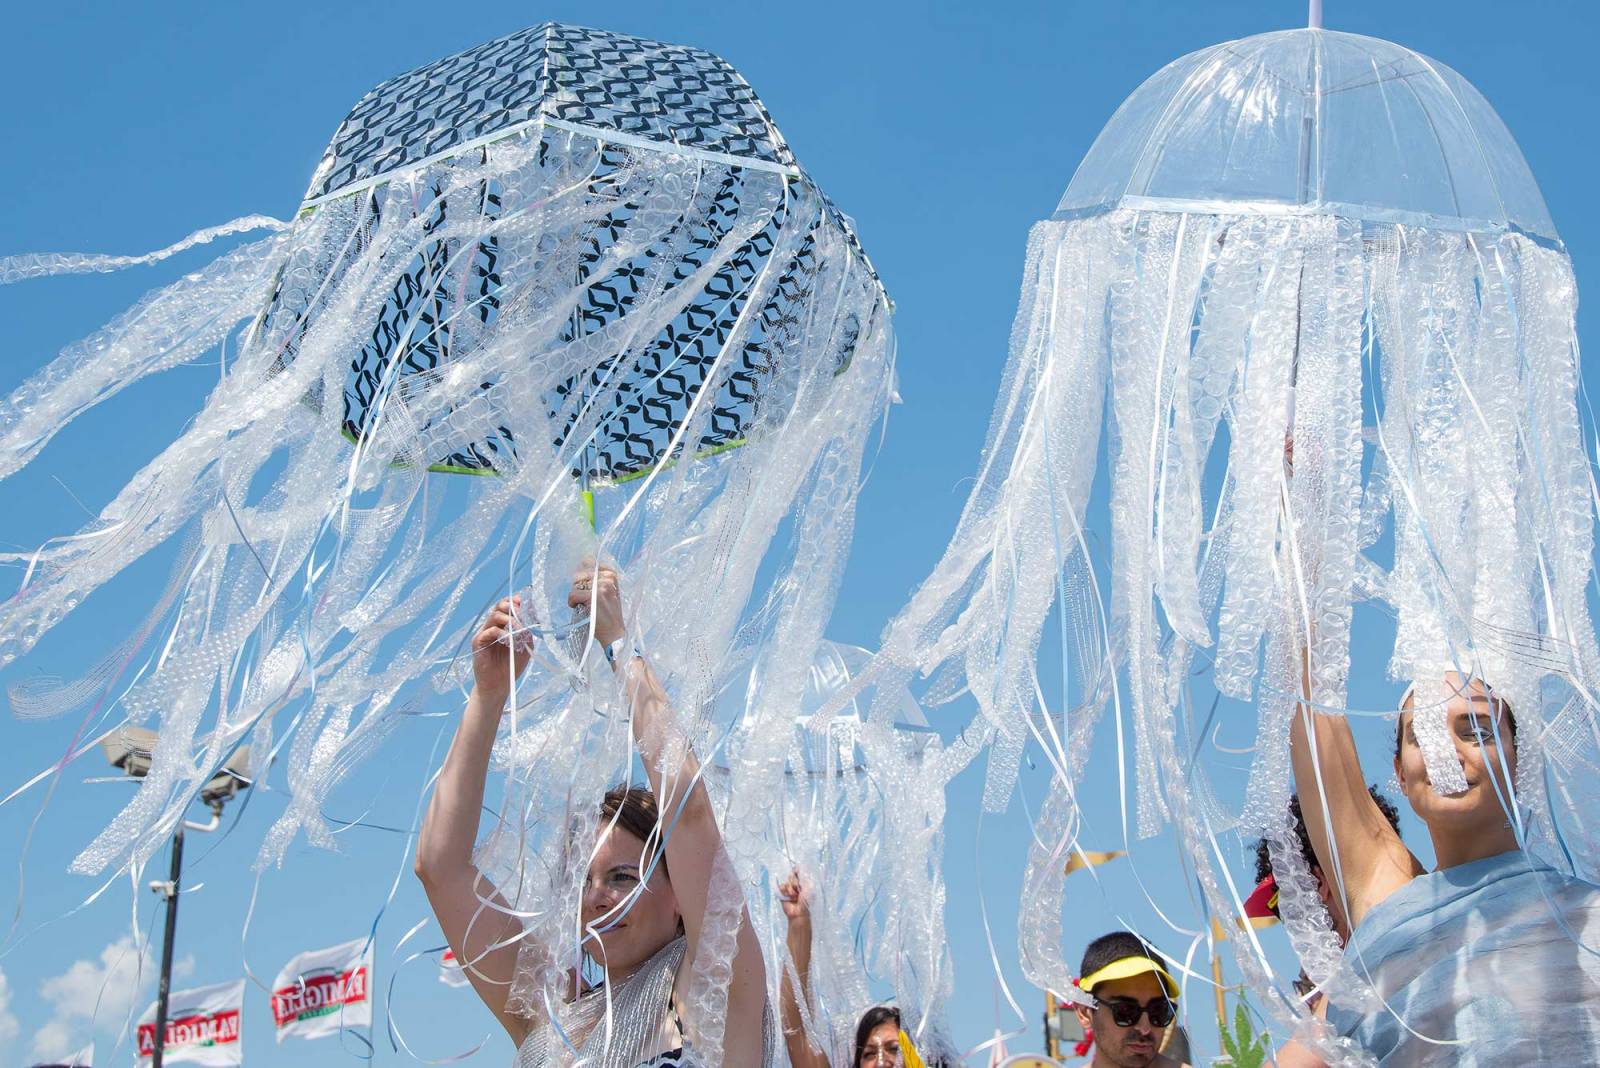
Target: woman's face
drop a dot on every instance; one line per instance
(1482, 735)
(882, 1048)
(631, 928)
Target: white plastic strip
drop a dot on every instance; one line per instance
(40, 264)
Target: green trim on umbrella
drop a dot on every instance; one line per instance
(631, 476)
(705, 454)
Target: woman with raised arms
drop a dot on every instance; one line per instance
(644, 941)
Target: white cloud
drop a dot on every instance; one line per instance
(92, 995)
(8, 1019)
(53, 1041)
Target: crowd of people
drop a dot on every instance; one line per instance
(1487, 958)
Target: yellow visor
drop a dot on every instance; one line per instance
(1126, 968)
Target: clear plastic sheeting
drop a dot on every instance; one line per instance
(1307, 290)
(862, 820)
(591, 277)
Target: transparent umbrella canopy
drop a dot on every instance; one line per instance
(1313, 121)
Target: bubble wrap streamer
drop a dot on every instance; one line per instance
(1414, 388)
(861, 819)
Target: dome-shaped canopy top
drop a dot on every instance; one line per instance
(665, 96)
(1313, 121)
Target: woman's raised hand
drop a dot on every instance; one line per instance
(595, 591)
(796, 900)
(500, 648)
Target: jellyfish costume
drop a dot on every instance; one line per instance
(1303, 233)
(565, 296)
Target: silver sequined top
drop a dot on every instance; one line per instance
(645, 1029)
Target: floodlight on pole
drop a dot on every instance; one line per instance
(131, 749)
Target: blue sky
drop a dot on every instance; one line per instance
(944, 130)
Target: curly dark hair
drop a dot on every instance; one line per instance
(1264, 858)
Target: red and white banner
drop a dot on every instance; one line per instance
(450, 970)
(202, 1026)
(323, 991)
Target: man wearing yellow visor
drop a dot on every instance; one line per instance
(1135, 1002)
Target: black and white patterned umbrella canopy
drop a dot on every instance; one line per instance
(621, 99)
(553, 74)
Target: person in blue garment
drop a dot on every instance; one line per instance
(1491, 958)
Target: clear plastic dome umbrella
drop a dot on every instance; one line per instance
(1308, 122)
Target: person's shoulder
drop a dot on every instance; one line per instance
(1294, 1055)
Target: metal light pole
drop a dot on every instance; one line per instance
(170, 889)
(130, 749)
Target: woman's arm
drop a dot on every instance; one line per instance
(693, 840)
(797, 910)
(1340, 815)
(483, 933)
(1339, 812)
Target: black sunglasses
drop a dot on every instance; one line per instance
(1125, 1012)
